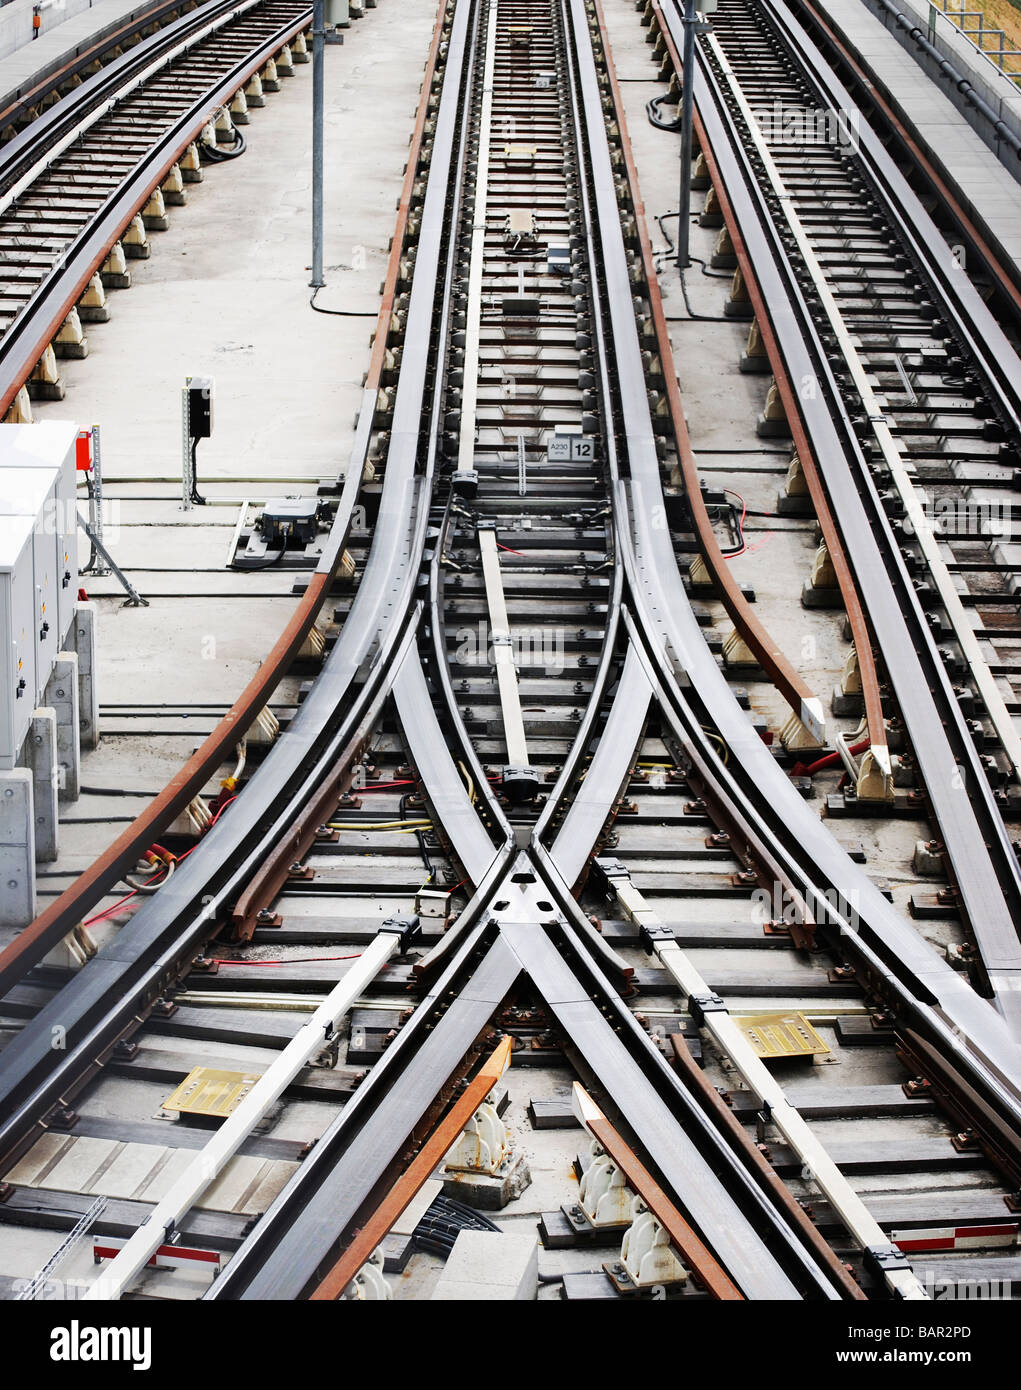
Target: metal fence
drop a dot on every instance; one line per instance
(994, 44)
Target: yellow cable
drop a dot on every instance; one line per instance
(400, 825)
(715, 738)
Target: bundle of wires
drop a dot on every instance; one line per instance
(444, 1221)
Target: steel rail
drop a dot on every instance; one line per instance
(803, 447)
(109, 997)
(339, 1185)
(787, 680)
(95, 882)
(301, 1232)
(452, 807)
(713, 1101)
(209, 1161)
(435, 659)
(521, 921)
(566, 858)
(971, 827)
(889, 956)
(34, 146)
(295, 1242)
(129, 969)
(634, 426)
(391, 574)
(684, 1240)
(733, 1043)
(607, 774)
(983, 337)
(616, 753)
(31, 154)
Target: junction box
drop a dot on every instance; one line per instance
(41, 639)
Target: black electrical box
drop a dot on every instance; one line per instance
(200, 407)
(293, 518)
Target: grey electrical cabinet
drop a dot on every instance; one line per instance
(17, 637)
(32, 493)
(49, 445)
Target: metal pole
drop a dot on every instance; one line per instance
(187, 474)
(318, 50)
(96, 505)
(687, 113)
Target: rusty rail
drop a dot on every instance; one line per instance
(711, 1100)
(691, 1248)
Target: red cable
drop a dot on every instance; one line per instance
(115, 907)
(381, 786)
(295, 960)
(810, 769)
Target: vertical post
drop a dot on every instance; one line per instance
(96, 504)
(687, 115)
(318, 51)
(187, 475)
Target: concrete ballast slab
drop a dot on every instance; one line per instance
(487, 1266)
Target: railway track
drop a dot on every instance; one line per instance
(83, 183)
(522, 878)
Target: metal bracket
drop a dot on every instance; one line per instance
(134, 599)
(650, 932)
(407, 928)
(701, 1004)
(880, 1258)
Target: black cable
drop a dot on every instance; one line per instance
(661, 218)
(113, 791)
(218, 155)
(420, 837)
(266, 561)
(652, 111)
(700, 318)
(341, 313)
(709, 273)
(465, 1213)
(199, 501)
(442, 1223)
